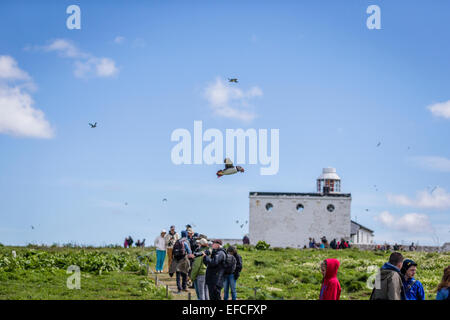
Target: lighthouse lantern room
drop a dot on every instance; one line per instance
(329, 181)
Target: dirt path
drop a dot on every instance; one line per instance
(165, 280)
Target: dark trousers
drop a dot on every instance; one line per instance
(183, 281)
(214, 292)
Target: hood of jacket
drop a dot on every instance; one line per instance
(332, 268)
(387, 270)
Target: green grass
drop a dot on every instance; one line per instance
(115, 273)
(106, 273)
(294, 274)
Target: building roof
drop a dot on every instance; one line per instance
(296, 194)
(355, 226)
(329, 174)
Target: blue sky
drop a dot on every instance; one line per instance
(333, 88)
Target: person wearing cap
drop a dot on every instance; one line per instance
(413, 288)
(215, 269)
(198, 272)
(171, 237)
(160, 244)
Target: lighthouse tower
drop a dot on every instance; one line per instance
(329, 181)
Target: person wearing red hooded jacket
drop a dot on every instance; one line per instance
(331, 288)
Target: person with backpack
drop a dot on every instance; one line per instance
(232, 276)
(199, 270)
(413, 288)
(333, 244)
(180, 263)
(171, 237)
(390, 286)
(160, 244)
(130, 241)
(194, 246)
(331, 288)
(216, 263)
(443, 292)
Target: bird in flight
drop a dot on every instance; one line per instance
(93, 125)
(379, 144)
(229, 168)
(164, 200)
(32, 227)
(233, 80)
(433, 189)
(126, 203)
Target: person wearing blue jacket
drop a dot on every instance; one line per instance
(413, 288)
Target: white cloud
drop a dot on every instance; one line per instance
(410, 222)
(10, 71)
(106, 67)
(437, 199)
(103, 67)
(65, 48)
(231, 102)
(441, 109)
(17, 115)
(119, 39)
(85, 64)
(432, 162)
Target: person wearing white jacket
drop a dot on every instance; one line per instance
(160, 244)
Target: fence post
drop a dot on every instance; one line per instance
(167, 291)
(189, 296)
(156, 280)
(148, 268)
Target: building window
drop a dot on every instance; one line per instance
(330, 208)
(300, 208)
(269, 207)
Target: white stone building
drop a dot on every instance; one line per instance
(360, 234)
(286, 219)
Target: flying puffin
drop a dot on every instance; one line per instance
(233, 80)
(229, 168)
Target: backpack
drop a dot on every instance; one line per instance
(229, 264)
(179, 251)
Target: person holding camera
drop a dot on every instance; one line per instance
(199, 270)
(215, 269)
(192, 239)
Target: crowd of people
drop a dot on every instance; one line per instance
(205, 265)
(395, 247)
(395, 281)
(199, 263)
(128, 243)
(323, 244)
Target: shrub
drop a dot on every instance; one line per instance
(262, 245)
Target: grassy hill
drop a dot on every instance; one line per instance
(116, 273)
